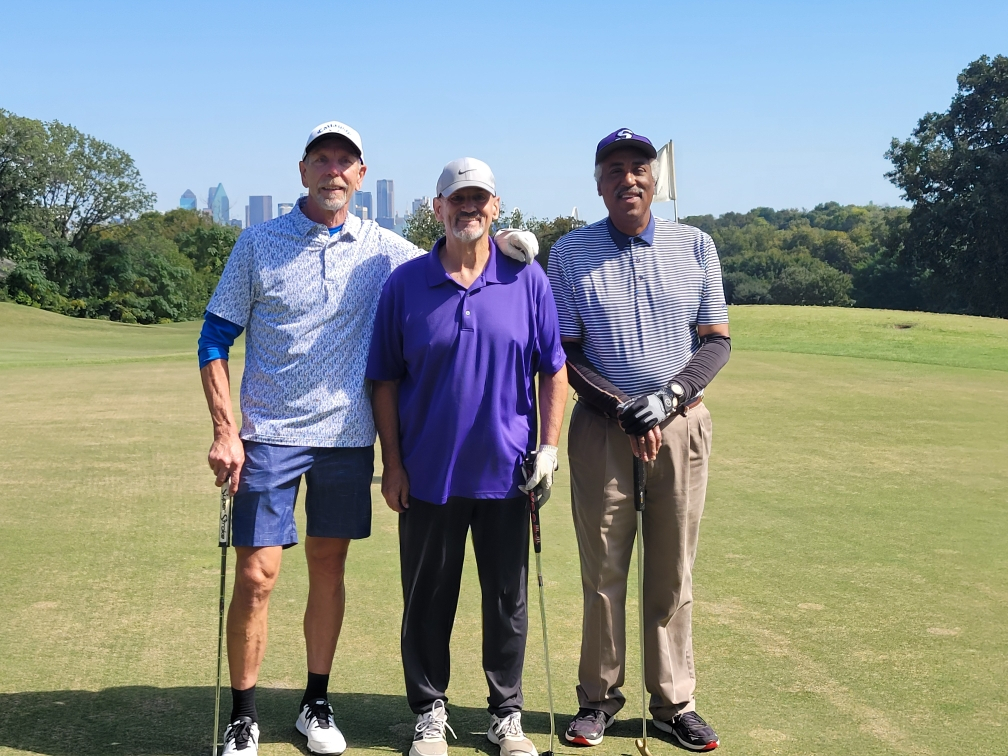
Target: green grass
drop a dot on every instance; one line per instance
(851, 585)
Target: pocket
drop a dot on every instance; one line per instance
(705, 430)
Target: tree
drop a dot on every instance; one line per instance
(138, 275)
(549, 232)
(954, 170)
(815, 284)
(22, 144)
(423, 228)
(87, 182)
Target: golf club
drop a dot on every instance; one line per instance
(537, 497)
(223, 540)
(639, 482)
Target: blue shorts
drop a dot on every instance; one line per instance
(337, 503)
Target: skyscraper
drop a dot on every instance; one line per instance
(283, 208)
(188, 200)
(220, 208)
(386, 199)
(260, 209)
(362, 206)
(420, 202)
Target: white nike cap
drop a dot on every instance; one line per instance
(464, 172)
(334, 128)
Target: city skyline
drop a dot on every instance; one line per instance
(259, 207)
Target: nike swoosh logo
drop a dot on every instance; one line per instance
(465, 170)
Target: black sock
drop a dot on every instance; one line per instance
(243, 704)
(318, 687)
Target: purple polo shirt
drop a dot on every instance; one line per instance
(465, 359)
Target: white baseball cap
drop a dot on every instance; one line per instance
(334, 128)
(459, 174)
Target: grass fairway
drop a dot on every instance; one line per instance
(851, 585)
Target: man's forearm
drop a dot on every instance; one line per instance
(589, 384)
(385, 408)
(715, 349)
(552, 400)
(217, 388)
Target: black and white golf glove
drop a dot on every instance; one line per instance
(640, 415)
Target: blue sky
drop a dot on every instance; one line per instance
(775, 104)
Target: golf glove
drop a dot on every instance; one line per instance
(542, 473)
(520, 245)
(645, 412)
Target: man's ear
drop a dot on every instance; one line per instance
(302, 166)
(598, 188)
(360, 177)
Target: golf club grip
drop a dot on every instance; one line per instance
(536, 532)
(224, 532)
(639, 483)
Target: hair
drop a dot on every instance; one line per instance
(653, 163)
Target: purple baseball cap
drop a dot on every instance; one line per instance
(622, 139)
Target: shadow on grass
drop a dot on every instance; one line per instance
(146, 721)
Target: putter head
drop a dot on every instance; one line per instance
(642, 747)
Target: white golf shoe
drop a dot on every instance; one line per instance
(241, 738)
(508, 734)
(429, 736)
(316, 723)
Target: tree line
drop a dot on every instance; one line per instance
(78, 234)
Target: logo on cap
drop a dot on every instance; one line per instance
(624, 134)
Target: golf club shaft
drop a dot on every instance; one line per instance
(537, 547)
(220, 647)
(639, 473)
(223, 541)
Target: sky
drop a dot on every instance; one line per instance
(768, 104)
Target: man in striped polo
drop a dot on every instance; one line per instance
(645, 329)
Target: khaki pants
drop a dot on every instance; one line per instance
(605, 520)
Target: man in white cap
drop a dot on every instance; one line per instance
(305, 287)
(459, 338)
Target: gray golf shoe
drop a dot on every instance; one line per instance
(508, 734)
(429, 738)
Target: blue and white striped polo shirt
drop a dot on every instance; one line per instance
(635, 302)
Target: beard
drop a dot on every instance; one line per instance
(333, 204)
(469, 233)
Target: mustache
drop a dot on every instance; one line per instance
(332, 186)
(468, 217)
(630, 191)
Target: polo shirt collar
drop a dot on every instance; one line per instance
(437, 275)
(305, 225)
(622, 241)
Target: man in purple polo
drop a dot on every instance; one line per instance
(459, 337)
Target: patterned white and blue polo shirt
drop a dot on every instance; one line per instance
(635, 302)
(307, 301)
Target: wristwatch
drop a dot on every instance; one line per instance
(672, 397)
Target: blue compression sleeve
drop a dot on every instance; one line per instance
(216, 338)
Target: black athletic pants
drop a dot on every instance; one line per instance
(432, 540)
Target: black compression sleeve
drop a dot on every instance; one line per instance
(590, 386)
(700, 370)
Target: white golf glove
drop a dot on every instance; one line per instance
(520, 245)
(542, 473)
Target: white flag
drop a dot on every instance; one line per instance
(665, 180)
